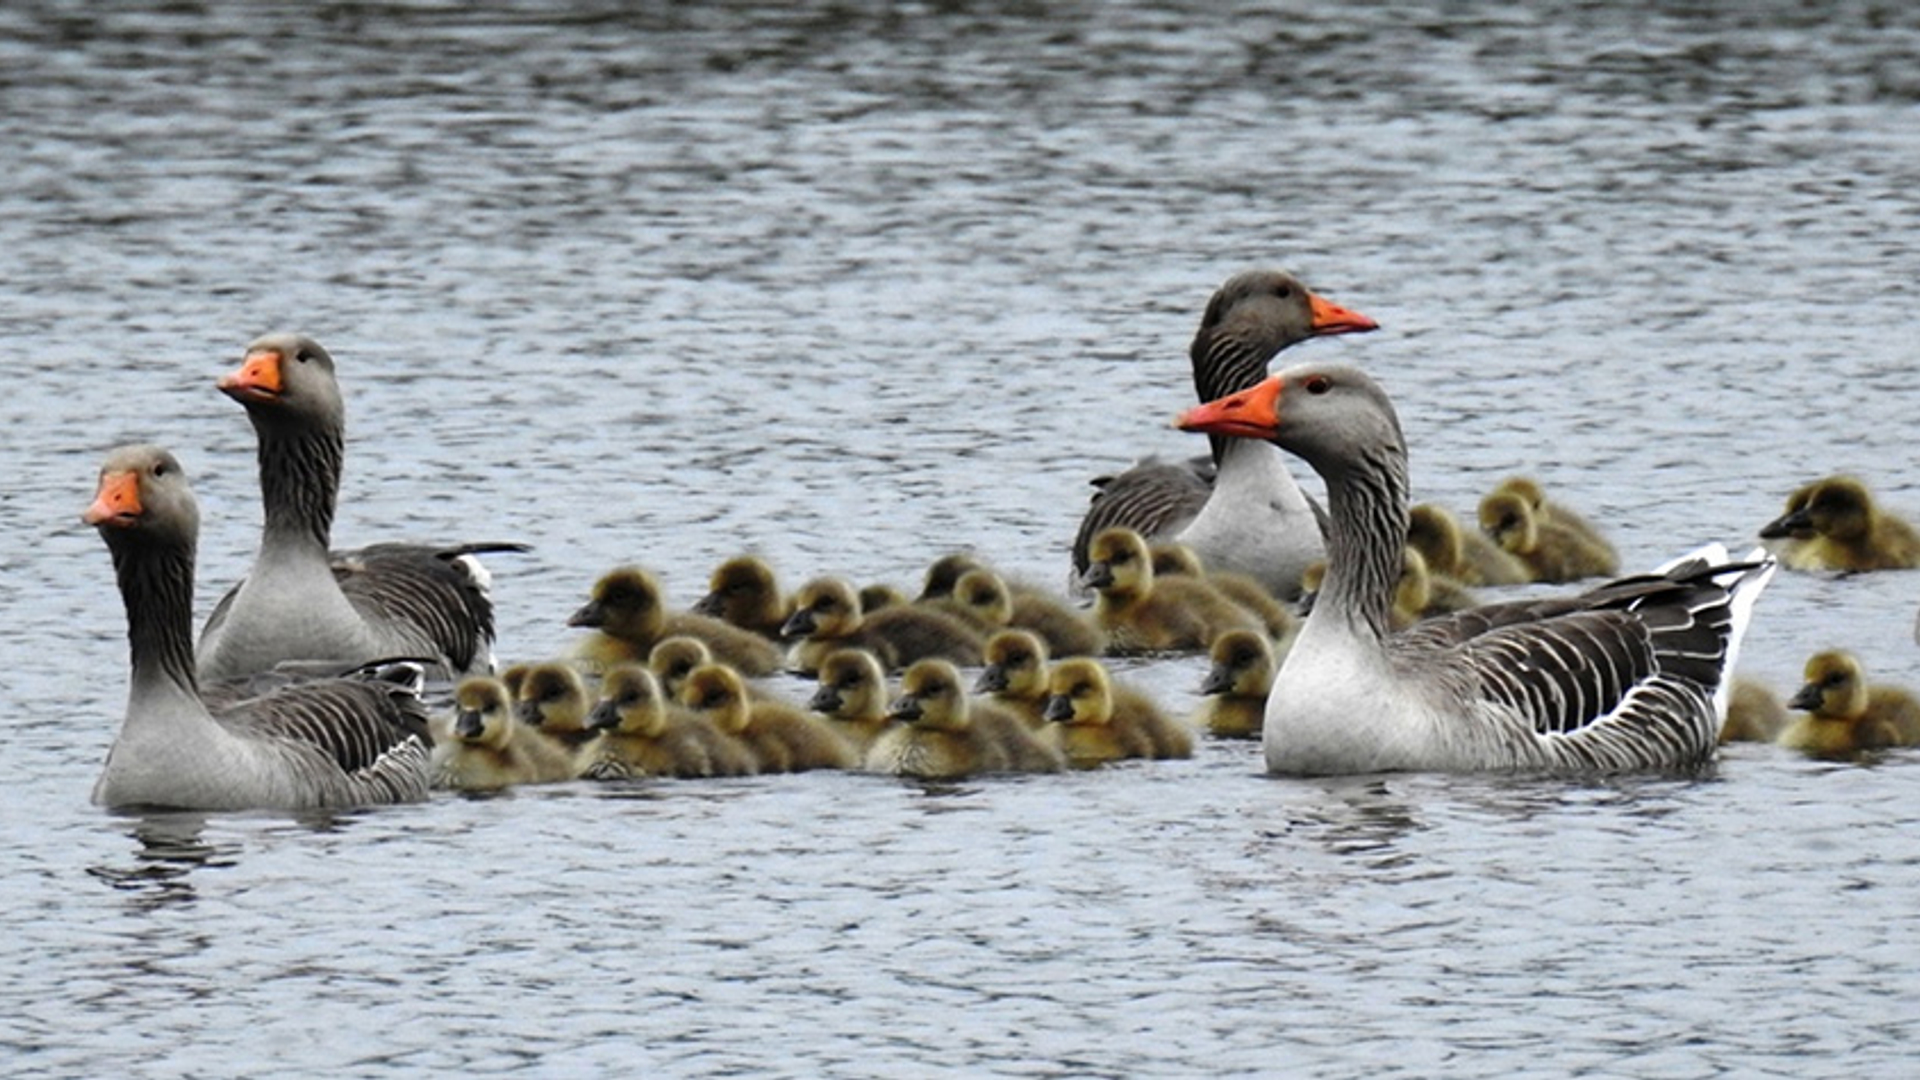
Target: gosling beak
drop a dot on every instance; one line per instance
(592, 613)
(1797, 525)
(1807, 700)
(799, 624)
(993, 680)
(1059, 709)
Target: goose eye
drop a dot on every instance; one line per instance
(160, 468)
(1318, 384)
(1284, 292)
(303, 355)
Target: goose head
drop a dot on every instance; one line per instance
(826, 607)
(674, 658)
(718, 692)
(1835, 687)
(143, 492)
(1255, 314)
(287, 378)
(1332, 416)
(631, 702)
(931, 697)
(625, 604)
(1079, 691)
(553, 698)
(483, 712)
(852, 686)
(1016, 665)
(1118, 563)
(1242, 664)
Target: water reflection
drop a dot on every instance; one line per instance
(170, 848)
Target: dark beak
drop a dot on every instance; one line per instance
(604, 717)
(993, 680)
(1098, 576)
(825, 700)
(467, 724)
(590, 614)
(799, 624)
(1219, 680)
(1796, 524)
(1807, 700)
(708, 605)
(905, 708)
(1059, 709)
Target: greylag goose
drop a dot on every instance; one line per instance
(941, 735)
(1845, 715)
(852, 696)
(324, 743)
(1551, 551)
(1754, 714)
(743, 591)
(1015, 675)
(1236, 685)
(781, 737)
(490, 749)
(642, 733)
(1630, 675)
(1092, 725)
(1837, 526)
(1253, 518)
(1466, 556)
(1144, 613)
(628, 617)
(302, 605)
(827, 615)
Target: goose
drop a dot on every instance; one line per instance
(644, 733)
(1551, 551)
(1094, 724)
(552, 700)
(852, 696)
(490, 748)
(1837, 526)
(1754, 713)
(1173, 558)
(744, 591)
(1141, 613)
(985, 600)
(674, 658)
(1254, 519)
(1632, 674)
(781, 737)
(1558, 513)
(300, 604)
(1466, 556)
(1845, 715)
(628, 617)
(1015, 675)
(324, 743)
(941, 735)
(1236, 685)
(827, 615)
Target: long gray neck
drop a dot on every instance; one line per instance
(1367, 529)
(300, 479)
(156, 584)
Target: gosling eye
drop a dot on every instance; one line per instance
(1318, 384)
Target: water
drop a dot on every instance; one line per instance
(851, 287)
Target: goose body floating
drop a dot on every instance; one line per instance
(1630, 675)
(322, 743)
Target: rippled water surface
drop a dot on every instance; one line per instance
(854, 285)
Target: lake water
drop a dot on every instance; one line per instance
(854, 285)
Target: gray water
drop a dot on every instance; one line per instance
(852, 286)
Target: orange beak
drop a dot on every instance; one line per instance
(258, 378)
(1331, 318)
(117, 502)
(1253, 413)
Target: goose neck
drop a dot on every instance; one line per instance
(299, 482)
(1367, 528)
(156, 584)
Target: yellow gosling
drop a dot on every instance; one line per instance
(783, 738)
(852, 696)
(744, 592)
(488, 750)
(628, 617)
(1754, 713)
(674, 658)
(553, 702)
(941, 735)
(1236, 685)
(1551, 551)
(828, 616)
(1015, 676)
(1838, 526)
(1143, 614)
(1464, 555)
(1844, 715)
(644, 734)
(1559, 513)
(1173, 559)
(1094, 725)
